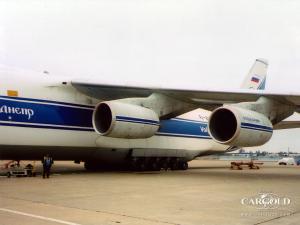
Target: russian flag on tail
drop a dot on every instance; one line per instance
(255, 79)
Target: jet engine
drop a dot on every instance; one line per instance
(122, 120)
(239, 127)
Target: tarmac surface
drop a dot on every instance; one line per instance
(208, 193)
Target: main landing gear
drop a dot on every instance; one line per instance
(156, 164)
(141, 164)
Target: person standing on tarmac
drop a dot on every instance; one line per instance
(47, 163)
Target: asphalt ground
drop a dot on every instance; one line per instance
(208, 193)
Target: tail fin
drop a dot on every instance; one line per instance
(256, 78)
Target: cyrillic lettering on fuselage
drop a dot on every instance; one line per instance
(16, 110)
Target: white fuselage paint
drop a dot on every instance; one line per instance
(21, 126)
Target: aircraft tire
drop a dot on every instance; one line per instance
(184, 165)
(174, 165)
(165, 164)
(141, 164)
(134, 164)
(156, 166)
(90, 166)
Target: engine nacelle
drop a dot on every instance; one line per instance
(239, 127)
(121, 120)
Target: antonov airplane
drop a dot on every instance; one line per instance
(146, 127)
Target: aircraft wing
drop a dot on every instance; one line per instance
(204, 97)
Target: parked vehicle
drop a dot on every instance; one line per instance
(15, 169)
(287, 161)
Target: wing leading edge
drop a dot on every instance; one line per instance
(106, 91)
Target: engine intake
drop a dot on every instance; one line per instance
(223, 125)
(122, 120)
(239, 127)
(103, 118)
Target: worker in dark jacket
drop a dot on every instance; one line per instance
(47, 163)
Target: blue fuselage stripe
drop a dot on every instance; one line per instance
(183, 128)
(46, 127)
(46, 101)
(41, 113)
(36, 113)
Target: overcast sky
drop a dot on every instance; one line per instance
(184, 43)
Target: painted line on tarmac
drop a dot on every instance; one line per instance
(38, 217)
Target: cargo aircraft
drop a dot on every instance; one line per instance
(148, 128)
